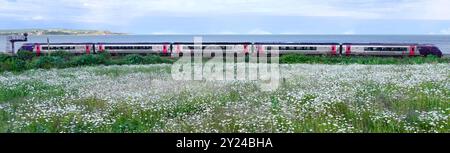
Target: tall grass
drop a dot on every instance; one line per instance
(61, 59)
(317, 59)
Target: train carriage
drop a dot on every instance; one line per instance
(74, 48)
(211, 49)
(134, 48)
(299, 48)
(380, 49)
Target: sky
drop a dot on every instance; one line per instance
(232, 16)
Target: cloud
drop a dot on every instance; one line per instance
(349, 32)
(445, 31)
(159, 16)
(259, 32)
(119, 11)
(167, 33)
(37, 18)
(227, 33)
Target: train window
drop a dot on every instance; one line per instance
(368, 48)
(387, 49)
(402, 49)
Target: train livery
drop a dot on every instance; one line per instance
(239, 48)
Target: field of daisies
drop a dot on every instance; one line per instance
(145, 98)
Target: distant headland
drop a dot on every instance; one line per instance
(39, 32)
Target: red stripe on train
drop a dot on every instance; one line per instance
(165, 49)
(412, 50)
(348, 50)
(88, 49)
(101, 48)
(333, 50)
(245, 49)
(38, 49)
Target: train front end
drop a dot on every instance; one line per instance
(426, 50)
(27, 47)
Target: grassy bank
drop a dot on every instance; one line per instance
(27, 60)
(60, 59)
(373, 60)
(310, 98)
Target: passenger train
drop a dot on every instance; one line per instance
(239, 48)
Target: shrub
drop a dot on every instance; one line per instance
(4, 57)
(105, 55)
(83, 60)
(47, 62)
(12, 64)
(154, 59)
(294, 58)
(25, 55)
(88, 60)
(135, 59)
(62, 54)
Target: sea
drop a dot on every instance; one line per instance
(442, 41)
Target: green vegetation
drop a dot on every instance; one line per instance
(296, 58)
(61, 59)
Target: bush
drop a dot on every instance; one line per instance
(135, 59)
(298, 58)
(105, 55)
(47, 62)
(25, 55)
(62, 54)
(12, 64)
(88, 60)
(154, 59)
(4, 57)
